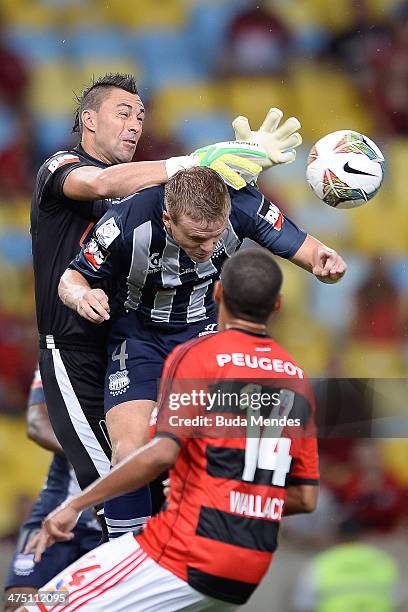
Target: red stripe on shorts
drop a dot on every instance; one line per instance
(125, 562)
(139, 562)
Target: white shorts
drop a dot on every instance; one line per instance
(120, 576)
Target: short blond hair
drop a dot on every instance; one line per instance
(198, 193)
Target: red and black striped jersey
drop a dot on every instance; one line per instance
(228, 485)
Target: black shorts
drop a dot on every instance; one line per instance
(73, 382)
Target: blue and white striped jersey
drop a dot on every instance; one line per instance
(156, 278)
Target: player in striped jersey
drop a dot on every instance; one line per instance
(24, 576)
(166, 253)
(73, 189)
(213, 544)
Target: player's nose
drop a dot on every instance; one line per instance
(207, 247)
(134, 126)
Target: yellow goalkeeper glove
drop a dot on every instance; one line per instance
(238, 163)
(277, 142)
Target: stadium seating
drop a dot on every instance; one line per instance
(95, 43)
(396, 155)
(37, 45)
(305, 338)
(50, 92)
(198, 129)
(94, 67)
(334, 308)
(208, 22)
(26, 13)
(15, 247)
(146, 14)
(25, 470)
(395, 456)
(373, 359)
(52, 134)
(8, 126)
(172, 105)
(168, 58)
(399, 273)
(325, 100)
(296, 292)
(239, 98)
(375, 228)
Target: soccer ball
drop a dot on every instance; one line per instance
(345, 169)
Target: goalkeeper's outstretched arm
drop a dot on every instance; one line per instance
(238, 163)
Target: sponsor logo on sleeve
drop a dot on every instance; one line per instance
(107, 232)
(94, 254)
(271, 213)
(155, 263)
(62, 160)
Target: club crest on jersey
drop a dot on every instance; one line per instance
(23, 564)
(94, 254)
(119, 382)
(107, 233)
(271, 213)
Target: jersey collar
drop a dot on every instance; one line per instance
(95, 161)
(248, 331)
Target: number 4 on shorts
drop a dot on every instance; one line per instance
(121, 355)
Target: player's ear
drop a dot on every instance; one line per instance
(89, 119)
(217, 292)
(278, 303)
(166, 219)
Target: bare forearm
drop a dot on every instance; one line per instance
(39, 428)
(137, 470)
(46, 439)
(92, 183)
(304, 256)
(72, 287)
(76, 293)
(124, 179)
(322, 261)
(300, 499)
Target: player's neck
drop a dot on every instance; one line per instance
(235, 323)
(94, 153)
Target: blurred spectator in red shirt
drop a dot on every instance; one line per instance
(15, 167)
(371, 498)
(258, 43)
(153, 147)
(354, 48)
(14, 123)
(13, 75)
(389, 94)
(378, 306)
(18, 354)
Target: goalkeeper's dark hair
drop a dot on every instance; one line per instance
(251, 282)
(93, 96)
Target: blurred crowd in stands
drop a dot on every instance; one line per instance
(200, 63)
